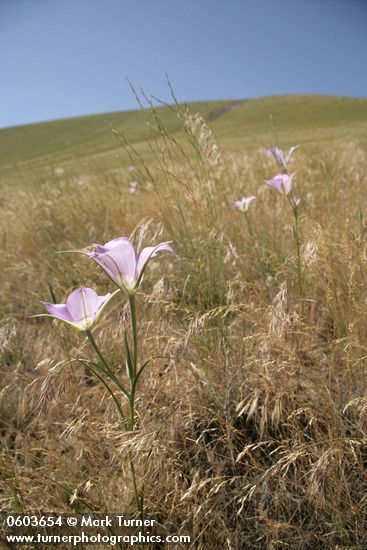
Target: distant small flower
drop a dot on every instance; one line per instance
(244, 203)
(131, 168)
(82, 309)
(279, 155)
(120, 262)
(282, 183)
(133, 187)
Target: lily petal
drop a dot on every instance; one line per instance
(238, 204)
(149, 252)
(119, 262)
(60, 311)
(82, 304)
(111, 244)
(290, 152)
(282, 183)
(244, 203)
(278, 156)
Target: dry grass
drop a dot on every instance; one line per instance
(252, 432)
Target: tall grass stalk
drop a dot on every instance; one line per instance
(298, 248)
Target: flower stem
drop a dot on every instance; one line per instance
(298, 246)
(132, 304)
(100, 378)
(107, 369)
(96, 349)
(129, 424)
(133, 384)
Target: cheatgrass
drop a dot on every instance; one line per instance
(250, 430)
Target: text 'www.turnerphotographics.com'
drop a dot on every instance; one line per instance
(74, 529)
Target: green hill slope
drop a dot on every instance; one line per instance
(238, 124)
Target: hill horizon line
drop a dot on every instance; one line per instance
(161, 105)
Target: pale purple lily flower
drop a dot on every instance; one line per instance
(81, 310)
(282, 183)
(244, 203)
(122, 264)
(279, 155)
(133, 187)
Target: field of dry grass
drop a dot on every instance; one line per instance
(251, 427)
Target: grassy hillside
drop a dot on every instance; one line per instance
(237, 124)
(248, 429)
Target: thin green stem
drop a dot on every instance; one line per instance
(128, 425)
(298, 246)
(133, 381)
(134, 331)
(96, 349)
(132, 304)
(108, 371)
(100, 378)
(293, 203)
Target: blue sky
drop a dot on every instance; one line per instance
(63, 58)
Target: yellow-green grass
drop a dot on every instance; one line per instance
(243, 123)
(255, 414)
